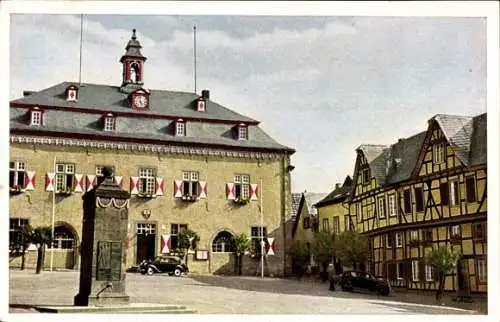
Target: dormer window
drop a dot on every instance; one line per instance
(180, 128)
(201, 105)
(36, 117)
(72, 93)
(242, 132)
(109, 122)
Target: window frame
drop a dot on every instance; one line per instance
(414, 235)
(407, 210)
(391, 206)
(482, 227)
(336, 224)
(429, 273)
(398, 241)
(256, 239)
(215, 245)
(66, 184)
(419, 198)
(359, 211)
(99, 168)
(16, 170)
(381, 207)
(147, 176)
(438, 153)
(414, 270)
(180, 128)
(39, 114)
(242, 132)
(174, 241)
(474, 181)
(365, 175)
(190, 180)
(326, 225)
(16, 226)
(109, 123)
(389, 240)
(454, 200)
(241, 186)
(482, 274)
(400, 271)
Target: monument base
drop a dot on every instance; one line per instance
(105, 299)
(132, 308)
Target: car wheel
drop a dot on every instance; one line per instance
(384, 291)
(150, 271)
(347, 286)
(177, 272)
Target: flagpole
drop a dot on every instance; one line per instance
(261, 233)
(53, 218)
(81, 49)
(194, 54)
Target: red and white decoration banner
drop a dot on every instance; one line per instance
(50, 181)
(178, 185)
(270, 245)
(202, 185)
(29, 182)
(230, 191)
(159, 186)
(166, 244)
(78, 183)
(119, 181)
(134, 185)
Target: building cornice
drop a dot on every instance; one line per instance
(164, 149)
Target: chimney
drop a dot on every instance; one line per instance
(27, 93)
(205, 94)
(337, 185)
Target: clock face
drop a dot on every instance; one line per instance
(140, 101)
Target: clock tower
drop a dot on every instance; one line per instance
(133, 66)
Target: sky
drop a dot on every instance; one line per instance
(322, 85)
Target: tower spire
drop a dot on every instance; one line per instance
(133, 65)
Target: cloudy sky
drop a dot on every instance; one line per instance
(321, 85)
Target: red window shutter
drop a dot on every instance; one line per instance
(134, 185)
(254, 190)
(159, 186)
(202, 190)
(119, 181)
(78, 183)
(50, 181)
(230, 191)
(29, 183)
(178, 188)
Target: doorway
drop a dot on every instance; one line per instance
(463, 288)
(146, 242)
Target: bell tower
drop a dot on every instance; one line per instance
(133, 65)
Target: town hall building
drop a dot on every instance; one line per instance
(187, 161)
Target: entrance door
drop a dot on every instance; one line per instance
(463, 278)
(146, 242)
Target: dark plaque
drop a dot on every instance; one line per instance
(109, 260)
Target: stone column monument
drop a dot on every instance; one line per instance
(102, 267)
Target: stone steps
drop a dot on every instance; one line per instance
(133, 308)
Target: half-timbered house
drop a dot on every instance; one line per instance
(421, 192)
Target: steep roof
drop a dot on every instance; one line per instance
(339, 194)
(396, 163)
(295, 204)
(83, 117)
(310, 199)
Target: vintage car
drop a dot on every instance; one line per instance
(171, 265)
(351, 280)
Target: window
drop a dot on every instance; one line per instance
(392, 205)
(306, 222)
(242, 186)
(429, 276)
(16, 226)
(326, 226)
(359, 212)
(399, 239)
(470, 187)
(427, 235)
(454, 193)
(180, 129)
(190, 182)
(257, 233)
(109, 123)
(479, 231)
(455, 231)
(414, 271)
(381, 207)
(242, 132)
(36, 118)
(438, 153)
(347, 223)
(414, 235)
(63, 238)
(99, 168)
(482, 270)
(407, 201)
(400, 270)
(365, 175)
(17, 174)
(223, 243)
(174, 231)
(147, 181)
(444, 194)
(419, 199)
(65, 173)
(388, 241)
(336, 225)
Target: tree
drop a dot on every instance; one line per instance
(20, 244)
(241, 246)
(41, 237)
(443, 261)
(300, 255)
(323, 251)
(187, 238)
(351, 247)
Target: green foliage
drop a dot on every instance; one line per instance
(323, 247)
(40, 235)
(299, 253)
(183, 240)
(442, 259)
(351, 247)
(241, 244)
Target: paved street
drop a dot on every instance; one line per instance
(219, 295)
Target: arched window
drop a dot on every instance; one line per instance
(63, 238)
(134, 73)
(223, 243)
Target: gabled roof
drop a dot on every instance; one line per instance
(307, 199)
(398, 162)
(339, 194)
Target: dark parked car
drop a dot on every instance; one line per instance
(351, 280)
(171, 265)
